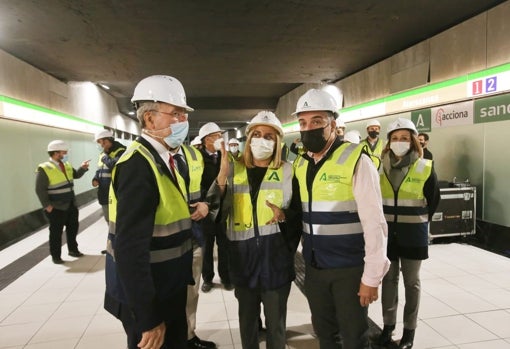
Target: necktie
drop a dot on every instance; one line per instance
(182, 168)
(172, 164)
(62, 167)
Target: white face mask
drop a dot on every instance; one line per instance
(261, 148)
(234, 149)
(400, 148)
(217, 144)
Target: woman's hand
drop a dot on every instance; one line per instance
(278, 214)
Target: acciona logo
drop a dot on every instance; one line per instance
(442, 115)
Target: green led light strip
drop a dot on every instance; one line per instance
(45, 110)
(436, 86)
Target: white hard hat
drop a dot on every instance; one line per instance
(233, 140)
(58, 145)
(267, 118)
(352, 136)
(401, 124)
(315, 100)
(339, 122)
(103, 134)
(373, 122)
(207, 129)
(161, 88)
(196, 141)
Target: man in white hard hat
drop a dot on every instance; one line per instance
(211, 136)
(110, 154)
(374, 144)
(340, 128)
(344, 230)
(149, 258)
(233, 149)
(196, 142)
(352, 136)
(54, 188)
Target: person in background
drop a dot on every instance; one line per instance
(110, 154)
(233, 149)
(340, 128)
(352, 136)
(297, 149)
(196, 143)
(344, 230)
(54, 188)
(410, 197)
(263, 214)
(285, 151)
(149, 258)
(190, 167)
(214, 230)
(423, 138)
(373, 143)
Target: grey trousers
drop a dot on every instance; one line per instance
(275, 312)
(389, 296)
(334, 302)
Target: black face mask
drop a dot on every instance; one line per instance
(373, 134)
(313, 140)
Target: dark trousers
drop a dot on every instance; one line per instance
(174, 311)
(334, 302)
(215, 232)
(58, 220)
(275, 312)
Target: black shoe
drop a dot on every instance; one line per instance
(228, 287)
(407, 339)
(58, 260)
(206, 287)
(385, 337)
(198, 343)
(103, 252)
(75, 253)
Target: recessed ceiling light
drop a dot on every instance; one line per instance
(106, 87)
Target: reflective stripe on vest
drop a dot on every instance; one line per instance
(333, 210)
(172, 213)
(410, 205)
(276, 187)
(60, 187)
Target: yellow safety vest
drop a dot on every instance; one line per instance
(60, 187)
(375, 155)
(409, 205)
(172, 213)
(195, 163)
(333, 235)
(276, 187)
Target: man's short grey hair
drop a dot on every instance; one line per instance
(143, 108)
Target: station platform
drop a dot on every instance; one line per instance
(465, 299)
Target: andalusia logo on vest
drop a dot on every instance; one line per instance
(331, 178)
(274, 177)
(413, 180)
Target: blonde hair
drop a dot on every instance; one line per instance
(276, 157)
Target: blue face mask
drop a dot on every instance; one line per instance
(179, 134)
(65, 158)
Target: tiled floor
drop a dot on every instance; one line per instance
(465, 302)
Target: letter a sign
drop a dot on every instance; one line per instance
(421, 118)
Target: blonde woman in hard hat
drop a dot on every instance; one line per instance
(410, 196)
(263, 230)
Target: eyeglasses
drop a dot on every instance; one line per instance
(175, 114)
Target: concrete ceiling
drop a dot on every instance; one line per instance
(234, 58)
